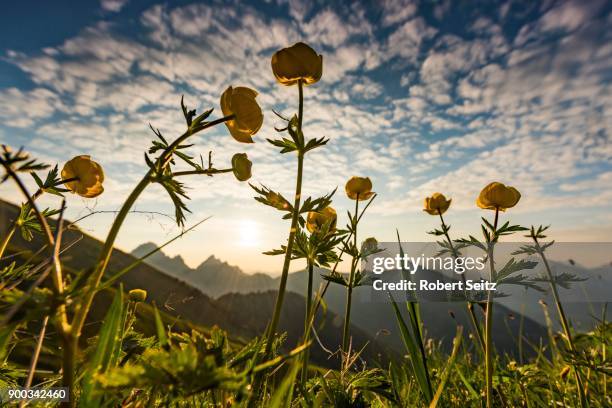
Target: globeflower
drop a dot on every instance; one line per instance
(85, 176)
(318, 219)
(359, 188)
(137, 295)
(248, 118)
(298, 62)
(497, 196)
(241, 166)
(436, 204)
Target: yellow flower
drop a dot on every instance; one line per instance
(297, 62)
(241, 103)
(359, 188)
(316, 220)
(87, 174)
(241, 166)
(137, 295)
(498, 196)
(436, 204)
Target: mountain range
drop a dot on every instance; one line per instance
(374, 315)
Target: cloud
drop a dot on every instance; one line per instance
(113, 5)
(520, 95)
(396, 11)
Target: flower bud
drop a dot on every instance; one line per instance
(359, 188)
(87, 174)
(498, 196)
(137, 295)
(241, 166)
(369, 246)
(298, 62)
(436, 204)
(317, 220)
(248, 118)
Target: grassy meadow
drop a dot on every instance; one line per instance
(75, 312)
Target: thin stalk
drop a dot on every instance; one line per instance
(35, 355)
(306, 353)
(349, 289)
(292, 231)
(489, 323)
(562, 318)
(469, 305)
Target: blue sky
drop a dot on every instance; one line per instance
(419, 97)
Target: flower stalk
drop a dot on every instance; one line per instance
(469, 304)
(307, 322)
(349, 289)
(562, 315)
(292, 230)
(489, 319)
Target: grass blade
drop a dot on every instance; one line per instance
(449, 366)
(418, 367)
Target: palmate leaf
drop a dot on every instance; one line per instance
(317, 204)
(513, 266)
(471, 241)
(28, 222)
(336, 277)
(314, 143)
(520, 280)
(176, 191)
(508, 229)
(272, 199)
(564, 280)
(194, 123)
(19, 161)
(280, 251)
(362, 279)
(51, 183)
(285, 144)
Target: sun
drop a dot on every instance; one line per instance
(248, 233)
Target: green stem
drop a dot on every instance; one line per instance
(349, 289)
(34, 359)
(469, 305)
(292, 231)
(307, 321)
(563, 319)
(7, 238)
(489, 323)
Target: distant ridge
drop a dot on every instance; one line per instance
(243, 316)
(218, 279)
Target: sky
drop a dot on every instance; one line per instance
(420, 97)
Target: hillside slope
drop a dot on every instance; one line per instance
(243, 318)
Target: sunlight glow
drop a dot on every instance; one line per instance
(249, 233)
